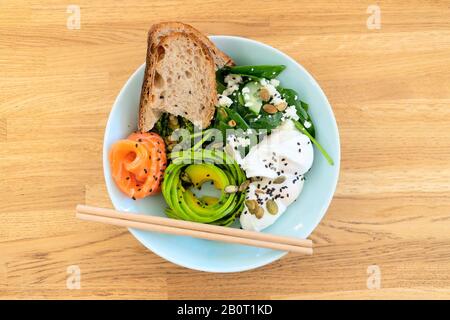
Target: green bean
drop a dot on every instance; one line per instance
(221, 114)
(220, 87)
(260, 71)
(240, 122)
(303, 130)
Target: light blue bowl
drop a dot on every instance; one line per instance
(301, 217)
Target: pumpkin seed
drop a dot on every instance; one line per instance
(230, 189)
(281, 106)
(264, 94)
(259, 191)
(270, 108)
(232, 123)
(259, 212)
(244, 185)
(251, 205)
(279, 179)
(272, 207)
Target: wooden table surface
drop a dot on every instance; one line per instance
(387, 231)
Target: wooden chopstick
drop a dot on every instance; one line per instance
(193, 229)
(193, 225)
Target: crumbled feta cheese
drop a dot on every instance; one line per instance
(245, 90)
(275, 82)
(307, 124)
(232, 81)
(263, 82)
(242, 142)
(230, 89)
(238, 141)
(224, 101)
(290, 113)
(276, 100)
(272, 90)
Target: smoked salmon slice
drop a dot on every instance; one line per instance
(138, 164)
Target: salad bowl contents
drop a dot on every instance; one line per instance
(222, 141)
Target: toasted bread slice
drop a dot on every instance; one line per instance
(181, 81)
(148, 115)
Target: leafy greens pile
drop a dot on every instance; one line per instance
(245, 118)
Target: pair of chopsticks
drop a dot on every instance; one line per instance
(193, 229)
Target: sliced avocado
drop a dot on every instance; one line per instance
(208, 200)
(251, 98)
(200, 173)
(214, 209)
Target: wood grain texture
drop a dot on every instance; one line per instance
(390, 91)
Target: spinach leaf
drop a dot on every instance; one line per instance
(265, 121)
(291, 98)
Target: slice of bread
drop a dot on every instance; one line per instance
(181, 81)
(148, 115)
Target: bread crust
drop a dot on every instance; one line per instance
(175, 26)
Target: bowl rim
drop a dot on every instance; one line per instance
(164, 253)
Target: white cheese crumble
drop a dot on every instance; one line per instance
(275, 82)
(276, 100)
(230, 89)
(232, 81)
(238, 141)
(290, 113)
(224, 101)
(242, 142)
(307, 124)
